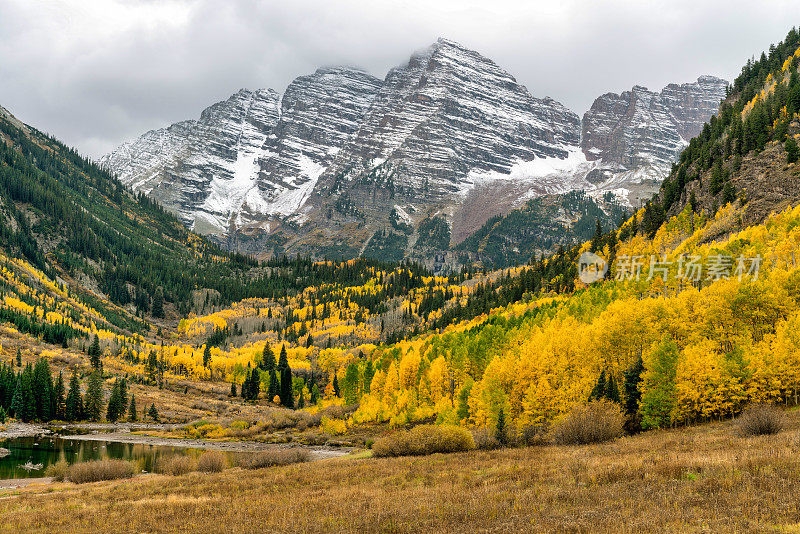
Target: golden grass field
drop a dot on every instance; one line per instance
(697, 479)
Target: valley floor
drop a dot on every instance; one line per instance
(698, 479)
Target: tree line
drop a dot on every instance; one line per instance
(32, 394)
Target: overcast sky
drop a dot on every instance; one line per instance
(96, 73)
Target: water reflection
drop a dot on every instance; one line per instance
(49, 450)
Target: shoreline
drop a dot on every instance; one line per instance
(318, 452)
(122, 433)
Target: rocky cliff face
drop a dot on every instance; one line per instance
(448, 112)
(346, 164)
(202, 169)
(444, 123)
(634, 137)
(318, 114)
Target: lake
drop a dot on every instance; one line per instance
(46, 450)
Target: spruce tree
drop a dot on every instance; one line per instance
(369, 373)
(19, 357)
(336, 385)
(94, 397)
(133, 415)
(500, 428)
(597, 240)
(314, 394)
(74, 405)
(268, 358)
(283, 361)
(599, 389)
(115, 406)
(152, 413)
(95, 352)
(16, 400)
(59, 399)
(233, 389)
(255, 384)
(632, 378)
(42, 388)
(792, 151)
(287, 394)
(301, 401)
(28, 411)
(206, 356)
(158, 303)
(123, 395)
(273, 385)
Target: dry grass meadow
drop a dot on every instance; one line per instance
(699, 479)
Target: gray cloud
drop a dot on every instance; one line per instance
(96, 73)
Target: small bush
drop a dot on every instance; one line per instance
(424, 439)
(485, 438)
(273, 457)
(759, 420)
(595, 422)
(175, 465)
(58, 470)
(99, 470)
(212, 462)
(531, 435)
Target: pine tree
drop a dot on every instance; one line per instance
(95, 353)
(599, 389)
(632, 379)
(206, 356)
(17, 401)
(597, 240)
(74, 407)
(287, 395)
(42, 388)
(500, 428)
(152, 413)
(283, 361)
(792, 151)
(158, 303)
(268, 358)
(255, 384)
(115, 406)
(272, 390)
(59, 399)
(133, 415)
(94, 397)
(123, 395)
(369, 374)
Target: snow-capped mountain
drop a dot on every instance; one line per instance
(202, 169)
(450, 111)
(344, 160)
(634, 137)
